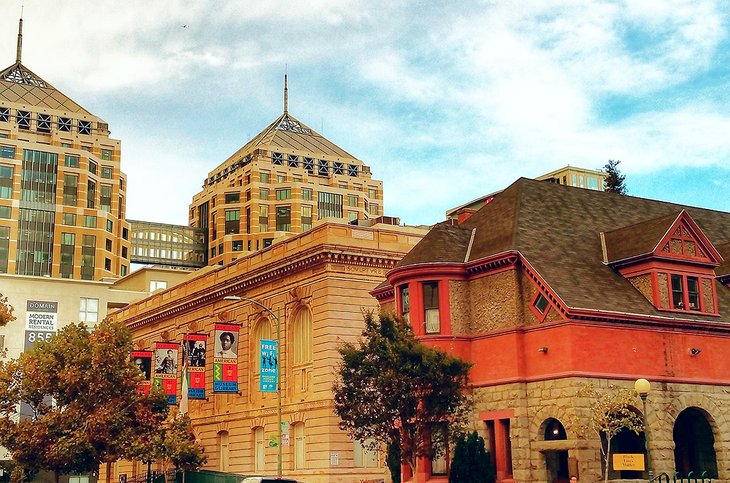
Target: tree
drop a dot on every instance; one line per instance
(81, 391)
(614, 180)
(610, 412)
(6, 311)
(471, 463)
(392, 388)
(173, 444)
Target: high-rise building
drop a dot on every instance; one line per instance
(284, 181)
(62, 194)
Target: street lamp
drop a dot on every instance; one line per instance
(238, 298)
(642, 387)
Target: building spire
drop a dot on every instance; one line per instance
(286, 94)
(20, 38)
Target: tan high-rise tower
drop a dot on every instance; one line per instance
(284, 181)
(62, 194)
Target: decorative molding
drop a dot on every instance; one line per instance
(242, 283)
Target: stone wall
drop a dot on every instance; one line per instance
(533, 403)
(493, 302)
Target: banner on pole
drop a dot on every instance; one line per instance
(143, 361)
(269, 368)
(194, 349)
(225, 362)
(166, 369)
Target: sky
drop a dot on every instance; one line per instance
(445, 101)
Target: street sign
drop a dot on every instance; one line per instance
(285, 439)
(269, 368)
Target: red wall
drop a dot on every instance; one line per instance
(583, 349)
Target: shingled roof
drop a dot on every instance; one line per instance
(557, 230)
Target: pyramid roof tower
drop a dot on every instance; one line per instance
(20, 85)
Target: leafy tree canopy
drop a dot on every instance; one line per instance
(6, 311)
(614, 180)
(81, 402)
(392, 387)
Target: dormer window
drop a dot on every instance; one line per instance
(669, 260)
(64, 124)
(24, 119)
(84, 127)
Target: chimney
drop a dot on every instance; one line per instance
(464, 214)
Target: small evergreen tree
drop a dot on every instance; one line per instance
(471, 462)
(614, 180)
(392, 460)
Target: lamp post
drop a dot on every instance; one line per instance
(642, 387)
(238, 298)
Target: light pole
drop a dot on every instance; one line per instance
(238, 298)
(642, 387)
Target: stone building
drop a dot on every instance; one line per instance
(317, 284)
(548, 287)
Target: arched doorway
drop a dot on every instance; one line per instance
(556, 461)
(694, 444)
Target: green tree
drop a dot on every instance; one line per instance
(610, 412)
(174, 443)
(614, 180)
(471, 463)
(388, 380)
(81, 391)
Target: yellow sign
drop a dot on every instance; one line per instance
(633, 462)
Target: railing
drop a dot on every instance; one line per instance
(691, 477)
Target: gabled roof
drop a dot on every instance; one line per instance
(20, 85)
(653, 238)
(557, 230)
(287, 133)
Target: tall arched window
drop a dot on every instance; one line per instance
(262, 331)
(223, 450)
(303, 337)
(259, 446)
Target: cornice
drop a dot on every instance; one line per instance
(316, 256)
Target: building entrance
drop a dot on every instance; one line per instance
(694, 444)
(556, 460)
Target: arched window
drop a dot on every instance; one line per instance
(694, 444)
(259, 446)
(303, 337)
(554, 430)
(262, 331)
(300, 450)
(223, 450)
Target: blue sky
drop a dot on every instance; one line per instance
(445, 101)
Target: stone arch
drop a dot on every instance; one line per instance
(539, 419)
(694, 442)
(713, 412)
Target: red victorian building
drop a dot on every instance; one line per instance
(548, 287)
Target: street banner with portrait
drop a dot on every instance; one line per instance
(143, 361)
(166, 369)
(269, 379)
(194, 348)
(225, 360)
